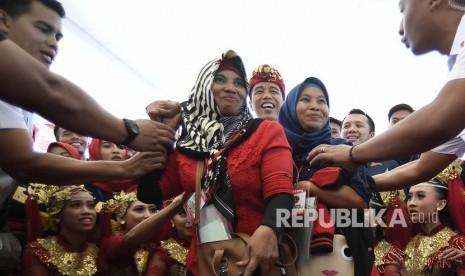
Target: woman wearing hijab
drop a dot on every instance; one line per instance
(305, 119)
(105, 150)
(248, 162)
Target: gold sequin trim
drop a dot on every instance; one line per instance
(71, 263)
(140, 258)
(381, 249)
(420, 248)
(389, 197)
(176, 250)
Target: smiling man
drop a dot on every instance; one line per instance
(267, 92)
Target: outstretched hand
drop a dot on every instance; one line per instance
(262, 252)
(334, 154)
(454, 254)
(166, 112)
(153, 136)
(142, 163)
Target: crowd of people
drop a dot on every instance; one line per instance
(147, 200)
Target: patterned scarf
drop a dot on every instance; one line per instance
(301, 140)
(205, 131)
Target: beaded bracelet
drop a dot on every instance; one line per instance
(351, 156)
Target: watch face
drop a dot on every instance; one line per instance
(132, 129)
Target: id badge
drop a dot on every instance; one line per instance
(300, 196)
(189, 205)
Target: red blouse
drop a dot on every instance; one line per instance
(259, 167)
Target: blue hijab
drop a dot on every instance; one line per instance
(301, 140)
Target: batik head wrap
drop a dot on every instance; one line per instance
(204, 129)
(267, 73)
(301, 140)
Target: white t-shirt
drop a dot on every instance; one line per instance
(11, 117)
(456, 145)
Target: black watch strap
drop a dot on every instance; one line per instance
(132, 129)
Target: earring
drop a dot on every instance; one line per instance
(172, 224)
(122, 222)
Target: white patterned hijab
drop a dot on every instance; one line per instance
(204, 129)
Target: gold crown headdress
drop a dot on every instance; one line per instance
(54, 197)
(120, 203)
(451, 172)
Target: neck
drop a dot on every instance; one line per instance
(428, 227)
(75, 239)
(450, 30)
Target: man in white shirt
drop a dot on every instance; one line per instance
(426, 26)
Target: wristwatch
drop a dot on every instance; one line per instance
(132, 129)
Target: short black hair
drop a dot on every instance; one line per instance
(16, 8)
(336, 121)
(371, 123)
(56, 132)
(399, 107)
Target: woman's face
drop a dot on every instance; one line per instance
(137, 212)
(229, 92)
(312, 109)
(58, 150)
(112, 152)
(78, 214)
(183, 226)
(423, 204)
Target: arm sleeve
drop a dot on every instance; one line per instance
(278, 201)
(276, 165)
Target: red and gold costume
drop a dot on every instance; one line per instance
(55, 256)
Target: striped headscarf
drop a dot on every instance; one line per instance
(204, 129)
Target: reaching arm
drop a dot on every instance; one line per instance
(433, 124)
(67, 105)
(148, 228)
(426, 167)
(342, 197)
(22, 163)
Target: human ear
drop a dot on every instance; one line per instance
(441, 204)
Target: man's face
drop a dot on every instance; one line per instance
(415, 28)
(79, 142)
(37, 32)
(398, 116)
(335, 130)
(356, 129)
(267, 100)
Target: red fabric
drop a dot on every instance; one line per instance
(326, 176)
(72, 150)
(395, 233)
(110, 186)
(322, 236)
(34, 221)
(113, 254)
(104, 223)
(259, 167)
(225, 65)
(456, 204)
(30, 262)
